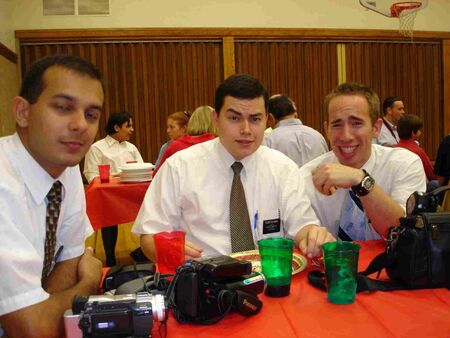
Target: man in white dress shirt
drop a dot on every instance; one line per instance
(57, 116)
(359, 189)
(192, 190)
(114, 150)
(393, 110)
(298, 142)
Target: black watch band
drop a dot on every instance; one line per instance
(365, 186)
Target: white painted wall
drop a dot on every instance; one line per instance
(345, 14)
(6, 26)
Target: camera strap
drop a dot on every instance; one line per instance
(247, 304)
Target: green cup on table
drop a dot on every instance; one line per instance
(341, 266)
(276, 263)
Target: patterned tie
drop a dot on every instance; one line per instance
(353, 221)
(240, 228)
(51, 221)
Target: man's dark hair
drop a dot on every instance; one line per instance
(33, 83)
(117, 118)
(241, 86)
(408, 124)
(389, 102)
(281, 106)
(354, 88)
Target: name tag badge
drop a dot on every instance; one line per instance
(271, 226)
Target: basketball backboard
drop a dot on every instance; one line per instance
(393, 8)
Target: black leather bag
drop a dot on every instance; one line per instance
(418, 251)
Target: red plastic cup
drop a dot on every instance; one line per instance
(169, 250)
(103, 170)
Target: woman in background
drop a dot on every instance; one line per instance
(200, 128)
(176, 128)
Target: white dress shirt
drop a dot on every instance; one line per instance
(298, 142)
(192, 193)
(385, 138)
(112, 152)
(397, 171)
(24, 185)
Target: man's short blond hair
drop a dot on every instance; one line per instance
(354, 88)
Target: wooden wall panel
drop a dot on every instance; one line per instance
(149, 79)
(410, 70)
(306, 71)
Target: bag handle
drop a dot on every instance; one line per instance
(363, 283)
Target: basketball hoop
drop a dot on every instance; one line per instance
(406, 13)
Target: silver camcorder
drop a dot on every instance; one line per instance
(114, 315)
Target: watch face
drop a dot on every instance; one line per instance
(368, 183)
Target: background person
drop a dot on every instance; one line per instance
(442, 164)
(409, 129)
(193, 190)
(114, 150)
(359, 189)
(57, 116)
(290, 136)
(200, 129)
(176, 128)
(393, 109)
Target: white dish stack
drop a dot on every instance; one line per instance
(136, 172)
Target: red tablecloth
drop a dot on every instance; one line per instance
(114, 202)
(307, 313)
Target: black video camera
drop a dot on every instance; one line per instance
(114, 315)
(204, 291)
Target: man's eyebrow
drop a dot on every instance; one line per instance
(231, 110)
(63, 96)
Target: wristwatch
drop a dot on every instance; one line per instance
(365, 186)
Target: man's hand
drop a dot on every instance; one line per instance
(90, 269)
(192, 250)
(328, 177)
(310, 238)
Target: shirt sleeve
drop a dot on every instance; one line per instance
(298, 209)
(20, 266)
(159, 210)
(427, 165)
(91, 161)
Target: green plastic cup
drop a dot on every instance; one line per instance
(341, 265)
(276, 262)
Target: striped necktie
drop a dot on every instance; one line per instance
(240, 228)
(51, 221)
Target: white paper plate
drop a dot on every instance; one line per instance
(135, 180)
(137, 167)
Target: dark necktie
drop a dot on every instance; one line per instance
(353, 221)
(51, 222)
(240, 228)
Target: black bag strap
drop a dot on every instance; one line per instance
(363, 283)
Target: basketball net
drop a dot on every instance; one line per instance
(406, 18)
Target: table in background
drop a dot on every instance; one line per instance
(307, 313)
(114, 202)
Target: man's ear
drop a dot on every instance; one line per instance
(325, 127)
(21, 111)
(116, 128)
(377, 127)
(215, 118)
